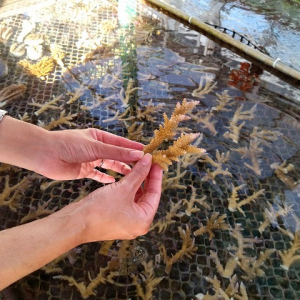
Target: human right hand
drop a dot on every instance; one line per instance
(122, 210)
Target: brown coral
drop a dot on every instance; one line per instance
(167, 131)
(40, 69)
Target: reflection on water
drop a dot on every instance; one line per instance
(228, 222)
(274, 25)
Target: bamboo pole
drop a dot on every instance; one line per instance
(274, 66)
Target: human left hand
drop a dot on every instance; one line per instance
(74, 154)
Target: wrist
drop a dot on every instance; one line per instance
(23, 144)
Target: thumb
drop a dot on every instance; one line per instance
(107, 151)
(138, 173)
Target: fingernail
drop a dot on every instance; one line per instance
(136, 154)
(146, 160)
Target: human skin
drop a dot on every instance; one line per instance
(121, 210)
(65, 154)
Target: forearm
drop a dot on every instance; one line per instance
(28, 247)
(22, 144)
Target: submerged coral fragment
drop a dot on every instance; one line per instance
(12, 92)
(272, 214)
(282, 171)
(5, 33)
(62, 120)
(213, 223)
(207, 123)
(253, 152)
(105, 275)
(233, 203)
(221, 159)
(204, 89)
(224, 99)
(190, 204)
(48, 105)
(164, 222)
(129, 90)
(290, 255)
(188, 249)
(265, 135)
(229, 268)
(11, 195)
(41, 69)
(34, 213)
(234, 127)
(253, 266)
(148, 280)
(173, 182)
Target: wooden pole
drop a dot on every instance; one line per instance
(274, 66)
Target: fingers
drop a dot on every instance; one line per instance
(109, 138)
(150, 200)
(138, 173)
(107, 151)
(116, 166)
(101, 177)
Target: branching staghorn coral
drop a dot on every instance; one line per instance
(48, 105)
(162, 224)
(13, 92)
(52, 266)
(57, 54)
(253, 266)
(5, 33)
(290, 255)
(204, 89)
(25, 117)
(233, 203)
(265, 135)
(190, 159)
(34, 213)
(229, 268)
(134, 131)
(11, 195)
(97, 101)
(173, 182)
(221, 158)
(105, 275)
(234, 127)
(149, 280)
(77, 94)
(180, 147)
(41, 69)
(188, 249)
(252, 152)
(190, 204)
(149, 111)
(281, 172)
(272, 214)
(129, 90)
(224, 99)
(168, 131)
(62, 120)
(207, 123)
(213, 223)
(234, 290)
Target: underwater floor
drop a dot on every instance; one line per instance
(228, 222)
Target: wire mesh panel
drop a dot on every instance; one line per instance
(228, 221)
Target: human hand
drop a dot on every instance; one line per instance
(121, 210)
(74, 154)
